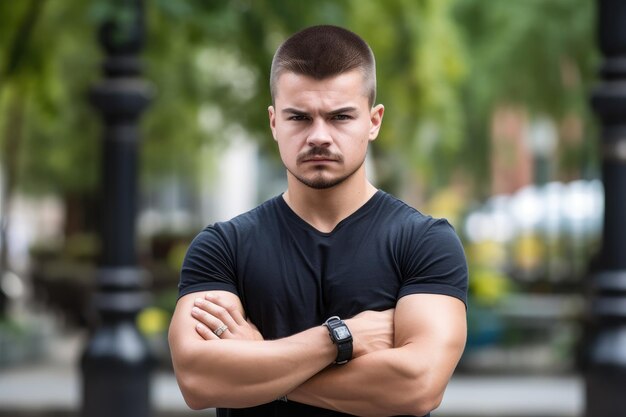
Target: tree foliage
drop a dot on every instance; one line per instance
(421, 65)
(51, 75)
(443, 67)
(537, 55)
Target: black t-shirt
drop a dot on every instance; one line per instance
(291, 277)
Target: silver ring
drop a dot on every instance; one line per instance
(218, 332)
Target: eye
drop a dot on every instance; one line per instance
(298, 118)
(342, 117)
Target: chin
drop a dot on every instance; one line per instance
(321, 183)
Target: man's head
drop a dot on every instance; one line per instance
(322, 52)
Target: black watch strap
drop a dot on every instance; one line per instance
(340, 335)
(344, 352)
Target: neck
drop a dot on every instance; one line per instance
(324, 209)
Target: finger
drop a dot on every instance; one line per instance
(217, 311)
(232, 308)
(206, 318)
(238, 317)
(205, 332)
(211, 324)
(252, 325)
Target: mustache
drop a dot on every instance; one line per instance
(318, 152)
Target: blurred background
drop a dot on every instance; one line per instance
(487, 123)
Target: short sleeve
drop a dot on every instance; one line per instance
(208, 265)
(434, 263)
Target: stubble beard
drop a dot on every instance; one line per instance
(320, 182)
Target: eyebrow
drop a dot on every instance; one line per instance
(291, 110)
(347, 109)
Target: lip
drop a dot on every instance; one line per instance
(319, 160)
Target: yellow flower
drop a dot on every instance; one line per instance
(152, 320)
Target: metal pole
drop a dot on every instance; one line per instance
(605, 351)
(117, 363)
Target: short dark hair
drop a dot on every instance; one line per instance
(324, 51)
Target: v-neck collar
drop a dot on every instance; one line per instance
(356, 214)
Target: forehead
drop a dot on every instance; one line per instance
(300, 90)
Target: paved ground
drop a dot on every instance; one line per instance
(53, 389)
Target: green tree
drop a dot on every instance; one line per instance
(443, 67)
(421, 66)
(22, 72)
(534, 54)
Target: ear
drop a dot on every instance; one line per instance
(376, 119)
(272, 115)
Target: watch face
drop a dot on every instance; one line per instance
(341, 333)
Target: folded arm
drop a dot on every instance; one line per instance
(235, 372)
(430, 333)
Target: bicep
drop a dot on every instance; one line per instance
(433, 327)
(183, 325)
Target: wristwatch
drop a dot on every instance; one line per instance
(340, 336)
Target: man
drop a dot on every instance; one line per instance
(253, 333)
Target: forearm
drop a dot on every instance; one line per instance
(387, 382)
(408, 379)
(240, 373)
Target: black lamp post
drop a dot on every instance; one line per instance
(605, 353)
(116, 364)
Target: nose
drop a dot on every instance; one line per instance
(319, 134)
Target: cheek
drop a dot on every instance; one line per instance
(287, 150)
(360, 138)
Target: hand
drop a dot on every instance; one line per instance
(371, 331)
(213, 311)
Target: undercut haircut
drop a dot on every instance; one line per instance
(322, 52)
